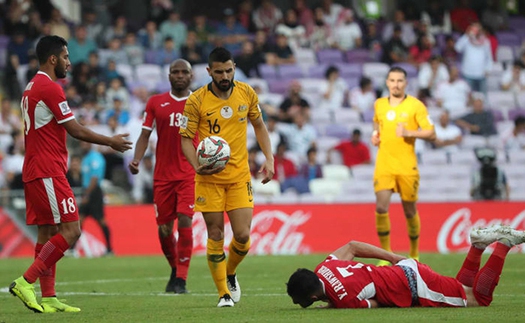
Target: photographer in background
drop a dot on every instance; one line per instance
(488, 182)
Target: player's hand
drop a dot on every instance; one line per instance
(400, 130)
(119, 143)
(267, 169)
(375, 138)
(206, 170)
(134, 167)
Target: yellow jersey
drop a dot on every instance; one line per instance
(209, 115)
(396, 155)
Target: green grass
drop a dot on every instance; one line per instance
(129, 289)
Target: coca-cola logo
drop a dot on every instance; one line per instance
(273, 232)
(454, 234)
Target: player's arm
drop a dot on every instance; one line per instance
(425, 134)
(140, 150)
(78, 131)
(365, 250)
(375, 135)
(191, 155)
(261, 133)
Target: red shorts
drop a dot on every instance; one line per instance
(171, 198)
(50, 201)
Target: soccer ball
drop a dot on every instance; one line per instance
(213, 151)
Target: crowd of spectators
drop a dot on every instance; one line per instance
(451, 50)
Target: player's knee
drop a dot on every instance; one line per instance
(165, 230)
(242, 237)
(381, 209)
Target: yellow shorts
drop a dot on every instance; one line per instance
(214, 197)
(406, 185)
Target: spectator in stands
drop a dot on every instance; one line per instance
(45, 31)
(117, 90)
(495, 15)
(9, 123)
(96, 72)
(311, 169)
(430, 75)
(479, 122)
(334, 90)
(245, 15)
(394, 50)
(168, 53)
(437, 17)
(320, 34)
(276, 137)
(348, 34)
(59, 26)
(421, 28)
(407, 34)
(94, 27)
(513, 79)
(149, 37)
(174, 28)
(454, 95)
(372, 40)
(448, 135)
(252, 162)
(118, 30)
(370, 10)
(80, 46)
(192, 51)
(248, 60)
(514, 138)
(114, 160)
(522, 55)
(299, 135)
(421, 51)
(74, 100)
(11, 84)
(353, 151)
(143, 181)
(110, 72)
(493, 40)
(120, 112)
(34, 25)
(160, 9)
(267, 16)
(462, 16)
(261, 45)
(20, 46)
(281, 53)
(293, 103)
(231, 34)
(477, 57)
(133, 50)
(304, 14)
(449, 53)
(114, 53)
(362, 98)
(205, 32)
(284, 167)
(332, 13)
(89, 112)
(294, 32)
(13, 161)
(74, 174)
(32, 68)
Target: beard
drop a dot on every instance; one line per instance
(223, 86)
(60, 72)
(397, 94)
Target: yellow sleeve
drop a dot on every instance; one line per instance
(191, 117)
(254, 111)
(423, 118)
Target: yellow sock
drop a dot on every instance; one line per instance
(414, 227)
(383, 230)
(217, 264)
(237, 253)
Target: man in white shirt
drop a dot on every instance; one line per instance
(362, 98)
(299, 135)
(430, 75)
(454, 95)
(448, 135)
(348, 35)
(514, 138)
(334, 90)
(513, 79)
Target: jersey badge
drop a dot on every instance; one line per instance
(391, 115)
(64, 107)
(242, 108)
(226, 112)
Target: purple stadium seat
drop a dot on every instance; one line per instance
(368, 115)
(514, 113)
(268, 72)
(317, 71)
(411, 69)
(150, 57)
(359, 56)
(352, 81)
(347, 70)
(329, 56)
(498, 115)
(508, 38)
(4, 41)
(517, 23)
(338, 131)
(290, 71)
(278, 86)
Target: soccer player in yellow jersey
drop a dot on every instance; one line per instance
(223, 108)
(398, 120)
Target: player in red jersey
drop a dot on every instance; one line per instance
(345, 283)
(50, 203)
(173, 178)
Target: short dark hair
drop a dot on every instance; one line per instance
(364, 81)
(331, 69)
(219, 54)
(356, 132)
(302, 285)
(48, 46)
(519, 121)
(311, 150)
(397, 69)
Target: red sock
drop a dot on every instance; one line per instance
(470, 267)
(47, 280)
(168, 248)
(488, 277)
(184, 250)
(51, 252)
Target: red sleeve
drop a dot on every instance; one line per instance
(149, 116)
(55, 100)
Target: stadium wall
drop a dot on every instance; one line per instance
(304, 228)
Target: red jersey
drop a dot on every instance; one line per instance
(44, 109)
(353, 154)
(164, 112)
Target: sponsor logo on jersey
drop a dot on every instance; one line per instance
(242, 108)
(162, 105)
(201, 200)
(64, 107)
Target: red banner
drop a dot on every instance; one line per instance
(319, 228)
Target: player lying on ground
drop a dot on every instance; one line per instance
(344, 283)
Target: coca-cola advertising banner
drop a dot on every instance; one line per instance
(317, 228)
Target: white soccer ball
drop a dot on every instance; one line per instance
(213, 151)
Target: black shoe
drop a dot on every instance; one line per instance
(170, 287)
(180, 286)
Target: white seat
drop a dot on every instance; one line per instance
(149, 75)
(336, 172)
(363, 172)
(470, 142)
(273, 99)
(517, 157)
(127, 72)
(21, 72)
(287, 198)
(504, 54)
(310, 198)
(346, 115)
(501, 100)
(258, 82)
(305, 58)
(310, 85)
(272, 188)
(320, 116)
(376, 72)
(326, 142)
(327, 188)
(433, 157)
(463, 156)
(431, 171)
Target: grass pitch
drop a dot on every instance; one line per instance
(130, 289)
